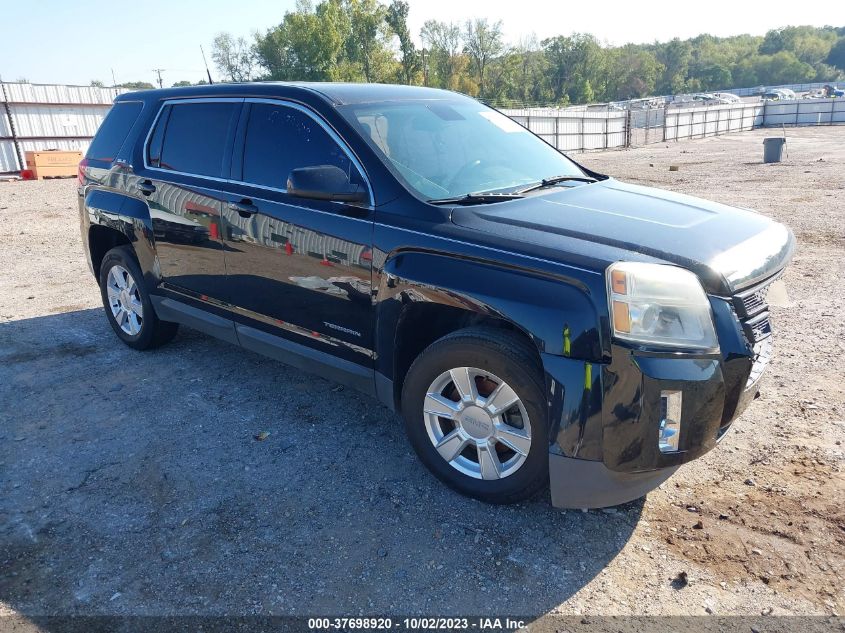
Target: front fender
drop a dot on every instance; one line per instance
(558, 315)
(561, 318)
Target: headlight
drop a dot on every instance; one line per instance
(658, 305)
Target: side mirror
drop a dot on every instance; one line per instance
(324, 182)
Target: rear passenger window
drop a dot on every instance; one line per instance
(195, 137)
(113, 131)
(280, 138)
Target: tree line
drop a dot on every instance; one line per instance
(368, 41)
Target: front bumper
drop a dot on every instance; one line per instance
(605, 418)
(581, 483)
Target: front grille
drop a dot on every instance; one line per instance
(758, 328)
(753, 313)
(753, 301)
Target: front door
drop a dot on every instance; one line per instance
(189, 150)
(302, 268)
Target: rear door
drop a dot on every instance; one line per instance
(302, 268)
(187, 157)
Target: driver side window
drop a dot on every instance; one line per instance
(280, 138)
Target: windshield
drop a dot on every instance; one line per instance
(445, 149)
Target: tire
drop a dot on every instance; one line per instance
(146, 330)
(499, 356)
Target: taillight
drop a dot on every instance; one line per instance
(80, 174)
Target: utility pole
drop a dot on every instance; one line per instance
(113, 80)
(158, 71)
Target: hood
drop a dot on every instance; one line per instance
(728, 248)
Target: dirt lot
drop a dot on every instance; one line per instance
(131, 482)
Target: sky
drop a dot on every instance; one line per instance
(84, 40)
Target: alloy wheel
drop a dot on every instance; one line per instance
(125, 300)
(477, 423)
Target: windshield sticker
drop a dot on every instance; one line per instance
(445, 112)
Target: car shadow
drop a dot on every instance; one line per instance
(133, 483)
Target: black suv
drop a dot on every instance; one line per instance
(533, 321)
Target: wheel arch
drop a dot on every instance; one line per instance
(422, 297)
(421, 324)
(101, 239)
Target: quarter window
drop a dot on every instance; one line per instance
(113, 131)
(195, 137)
(280, 138)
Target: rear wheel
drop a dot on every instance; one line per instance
(474, 412)
(127, 302)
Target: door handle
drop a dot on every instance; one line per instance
(145, 187)
(245, 208)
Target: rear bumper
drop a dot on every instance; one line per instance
(581, 483)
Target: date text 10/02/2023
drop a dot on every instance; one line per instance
(416, 623)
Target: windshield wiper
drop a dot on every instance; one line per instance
(478, 198)
(554, 180)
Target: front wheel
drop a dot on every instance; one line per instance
(127, 302)
(475, 414)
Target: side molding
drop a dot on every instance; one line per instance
(277, 347)
(178, 312)
(306, 358)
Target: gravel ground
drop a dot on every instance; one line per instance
(131, 483)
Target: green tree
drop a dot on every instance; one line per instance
(483, 42)
(366, 43)
(502, 80)
(572, 61)
(234, 57)
(715, 77)
(136, 85)
(836, 56)
(745, 74)
(633, 73)
(96, 83)
(443, 43)
(775, 41)
(182, 84)
(308, 45)
(530, 83)
(356, 40)
(782, 68)
(675, 56)
(397, 20)
(582, 91)
(809, 44)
